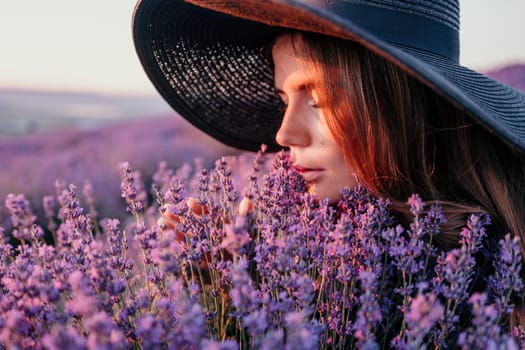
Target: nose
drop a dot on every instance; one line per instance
(293, 131)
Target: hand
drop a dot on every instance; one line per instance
(171, 220)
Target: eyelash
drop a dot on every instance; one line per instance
(312, 103)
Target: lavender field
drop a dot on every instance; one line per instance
(252, 261)
(31, 163)
(287, 272)
(29, 111)
(83, 137)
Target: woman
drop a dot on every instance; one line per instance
(396, 135)
(372, 91)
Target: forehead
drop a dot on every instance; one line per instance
(304, 51)
(290, 58)
(292, 43)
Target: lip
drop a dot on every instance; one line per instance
(309, 174)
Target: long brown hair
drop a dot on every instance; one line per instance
(403, 138)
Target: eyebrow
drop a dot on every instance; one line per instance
(304, 85)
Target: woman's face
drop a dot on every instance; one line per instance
(313, 150)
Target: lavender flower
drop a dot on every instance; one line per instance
(49, 204)
(301, 333)
(73, 214)
(88, 192)
(23, 218)
(117, 245)
(150, 331)
(454, 270)
(369, 314)
(162, 176)
(485, 331)
(284, 271)
(216, 345)
(64, 338)
(103, 333)
(15, 330)
(132, 189)
(506, 280)
(84, 302)
(169, 254)
(424, 312)
(236, 236)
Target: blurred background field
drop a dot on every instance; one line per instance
(27, 111)
(49, 131)
(78, 137)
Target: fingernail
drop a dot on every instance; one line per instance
(245, 206)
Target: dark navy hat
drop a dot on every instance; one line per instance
(207, 59)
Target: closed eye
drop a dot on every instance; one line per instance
(313, 104)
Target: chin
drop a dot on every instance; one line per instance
(323, 193)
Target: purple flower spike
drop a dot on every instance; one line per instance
(84, 301)
(278, 269)
(424, 312)
(301, 333)
(64, 338)
(169, 254)
(416, 205)
(89, 195)
(506, 280)
(22, 218)
(16, 328)
(485, 333)
(117, 244)
(369, 314)
(49, 206)
(72, 214)
(150, 331)
(220, 345)
(236, 236)
(132, 189)
(162, 176)
(103, 333)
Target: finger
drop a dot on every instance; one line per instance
(167, 223)
(170, 225)
(168, 215)
(245, 206)
(196, 208)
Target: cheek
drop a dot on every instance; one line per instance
(326, 138)
(343, 171)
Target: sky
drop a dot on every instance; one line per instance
(86, 45)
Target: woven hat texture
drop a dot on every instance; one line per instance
(207, 59)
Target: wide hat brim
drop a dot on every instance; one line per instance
(210, 65)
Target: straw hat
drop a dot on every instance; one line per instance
(205, 57)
